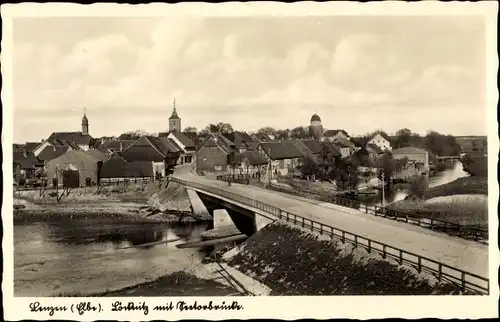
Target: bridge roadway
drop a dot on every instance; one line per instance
(454, 251)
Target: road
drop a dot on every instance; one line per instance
(454, 251)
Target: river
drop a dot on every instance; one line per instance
(55, 256)
(399, 191)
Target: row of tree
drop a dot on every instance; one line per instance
(436, 143)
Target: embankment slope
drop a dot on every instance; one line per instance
(293, 262)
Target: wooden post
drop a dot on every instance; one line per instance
(369, 246)
(400, 257)
(463, 282)
(419, 264)
(355, 241)
(383, 251)
(440, 272)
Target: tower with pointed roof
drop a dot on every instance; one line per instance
(174, 121)
(85, 123)
(316, 127)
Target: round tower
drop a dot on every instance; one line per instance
(316, 127)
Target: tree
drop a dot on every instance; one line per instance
(267, 130)
(133, 135)
(418, 187)
(190, 129)
(308, 168)
(299, 132)
(220, 127)
(403, 138)
(282, 134)
(346, 175)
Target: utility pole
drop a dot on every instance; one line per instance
(383, 189)
(269, 173)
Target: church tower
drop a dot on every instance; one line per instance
(85, 123)
(316, 127)
(174, 121)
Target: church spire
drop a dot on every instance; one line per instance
(174, 113)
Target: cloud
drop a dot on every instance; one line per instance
(224, 73)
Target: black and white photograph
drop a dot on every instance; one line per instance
(219, 152)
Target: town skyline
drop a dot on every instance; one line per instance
(358, 73)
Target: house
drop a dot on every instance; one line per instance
(345, 150)
(82, 141)
(185, 145)
(252, 162)
(368, 155)
(25, 164)
(374, 151)
(116, 167)
(419, 157)
(215, 154)
(309, 148)
(86, 164)
(51, 152)
(241, 140)
(262, 137)
(31, 146)
(111, 146)
(381, 141)
(285, 157)
(159, 150)
(332, 135)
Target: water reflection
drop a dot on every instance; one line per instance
(400, 191)
(95, 254)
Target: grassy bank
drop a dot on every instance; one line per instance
(461, 186)
(176, 284)
(292, 262)
(438, 203)
(154, 203)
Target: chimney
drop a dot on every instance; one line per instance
(121, 146)
(25, 152)
(54, 147)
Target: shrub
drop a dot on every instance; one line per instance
(418, 187)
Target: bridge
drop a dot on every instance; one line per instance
(448, 158)
(448, 258)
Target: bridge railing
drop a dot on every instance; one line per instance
(474, 233)
(444, 273)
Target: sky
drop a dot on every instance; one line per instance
(358, 73)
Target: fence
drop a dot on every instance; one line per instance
(237, 178)
(465, 280)
(474, 233)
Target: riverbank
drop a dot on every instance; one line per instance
(463, 201)
(175, 284)
(291, 261)
(153, 203)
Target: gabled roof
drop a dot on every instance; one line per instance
(187, 142)
(280, 150)
(97, 155)
(254, 158)
(386, 137)
(52, 152)
(221, 141)
(115, 145)
(313, 145)
(344, 143)
(77, 137)
(26, 159)
(330, 133)
(117, 167)
(331, 148)
(408, 150)
(32, 145)
(149, 148)
(373, 148)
